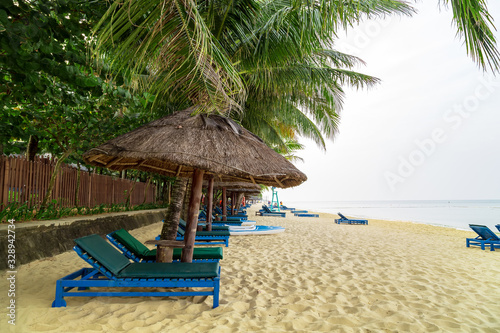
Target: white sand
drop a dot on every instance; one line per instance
(317, 276)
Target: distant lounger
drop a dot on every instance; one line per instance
(306, 215)
(485, 237)
(265, 211)
(344, 219)
(111, 269)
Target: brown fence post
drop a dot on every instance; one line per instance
(5, 190)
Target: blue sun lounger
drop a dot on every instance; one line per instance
(265, 211)
(498, 227)
(485, 237)
(207, 237)
(306, 215)
(111, 269)
(138, 252)
(344, 219)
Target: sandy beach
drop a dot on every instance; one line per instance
(317, 276)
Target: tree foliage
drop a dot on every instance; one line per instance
(49, 87)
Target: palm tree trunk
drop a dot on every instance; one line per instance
(52, 182)
(32, 148)
(169, 229)
(187, 197)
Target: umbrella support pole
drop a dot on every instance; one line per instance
(210, 199)
(192, 221)
(224, 204)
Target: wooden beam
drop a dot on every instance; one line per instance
(113, 162)
(224, 204)
(157, 168)
(178, 171)
(277, 181)
(210, 203)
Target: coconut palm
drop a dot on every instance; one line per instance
(189, 52)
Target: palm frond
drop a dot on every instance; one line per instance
(475, 25)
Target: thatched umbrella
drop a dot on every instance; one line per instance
(196, 146)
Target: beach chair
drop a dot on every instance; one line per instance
(183, 225)
(306, 215)
(265, 211)
(138, 252)
(344, 219)
(111, 269)
(485, 237)
(206, 237)
(239, 215)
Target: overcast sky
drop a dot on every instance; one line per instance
(429, 130)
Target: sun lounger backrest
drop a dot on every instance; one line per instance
(498, 227)
(342, 216)
(266, 209)
(484, 232)
(103, 252)
(182, 223)
(131, 243)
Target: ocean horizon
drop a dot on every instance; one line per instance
(456, 214)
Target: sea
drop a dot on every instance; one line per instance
(456, 214)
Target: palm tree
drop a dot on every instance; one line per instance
(190, 52)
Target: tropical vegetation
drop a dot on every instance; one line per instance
(93, 70)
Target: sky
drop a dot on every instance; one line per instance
(428, 131)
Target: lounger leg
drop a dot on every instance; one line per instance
(216, 293)
(59, 300)
(467, 244)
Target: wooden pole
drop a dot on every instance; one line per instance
(233, 202)
(210, 202)
(192, 221)
(224, 204)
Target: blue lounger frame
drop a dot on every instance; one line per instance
(99, 277)
(344, 219)
(485, 237)
(204, 239)
(127, 253)
(265, 211)
(306, 215)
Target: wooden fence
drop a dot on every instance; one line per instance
(27, 182)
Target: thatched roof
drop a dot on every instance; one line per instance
(177, 144)
(235, 186)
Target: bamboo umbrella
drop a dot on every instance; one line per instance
(183, 145)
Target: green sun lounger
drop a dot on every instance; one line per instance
(111, 269)
(485, 237)
(138, 252)
(203, 237)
